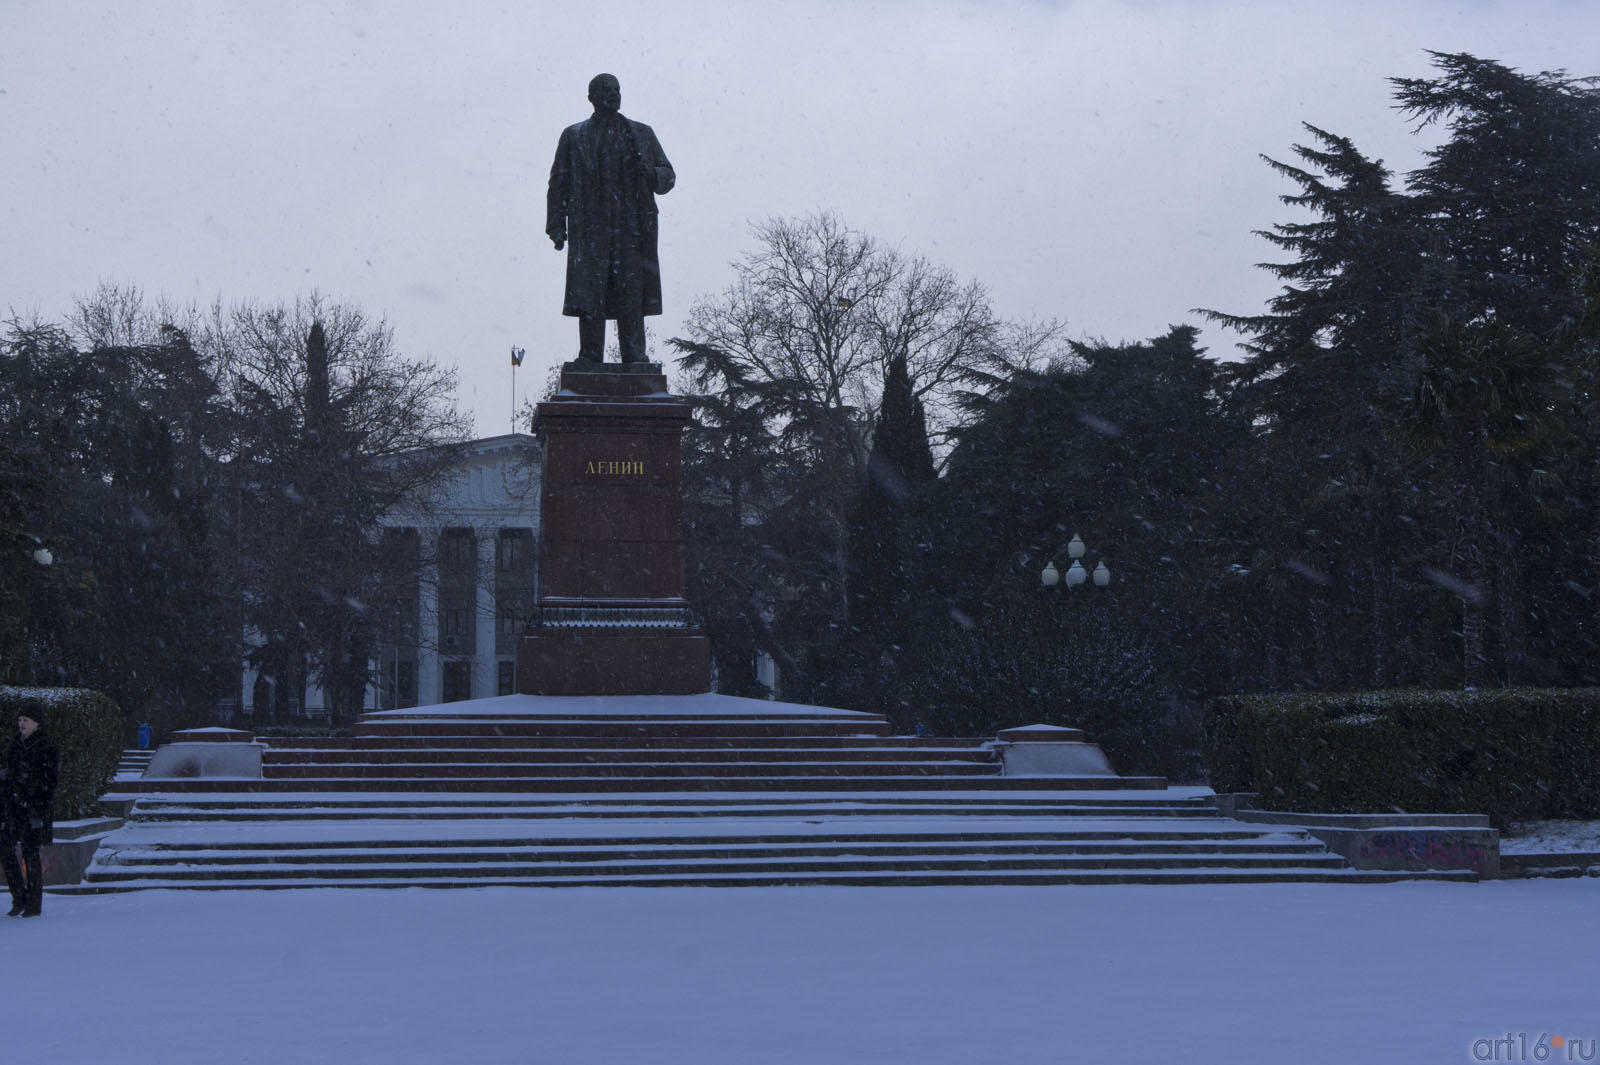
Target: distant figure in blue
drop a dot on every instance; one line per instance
(28, 788)
(602, 199)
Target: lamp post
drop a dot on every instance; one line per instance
(1075, 574)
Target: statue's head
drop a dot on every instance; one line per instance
(605, 92)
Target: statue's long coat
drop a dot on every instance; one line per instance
(600, 230)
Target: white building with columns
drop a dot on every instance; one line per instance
(473, 547)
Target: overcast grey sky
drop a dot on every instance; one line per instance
(1095, 162)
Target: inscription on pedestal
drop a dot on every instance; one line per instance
(607, 467)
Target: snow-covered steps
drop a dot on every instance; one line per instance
(913, 878)
(919, 777)
(132, 764)
(662, 752)
(408, 806)
(618, 717)
(1040, 838)
(633, 744)
(540, 764)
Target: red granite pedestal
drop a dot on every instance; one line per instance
(612, 618)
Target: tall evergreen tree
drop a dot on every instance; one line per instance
(1353, 541)
(887, 543)
(882, 533)
(1512, 197)
(1124, 444)
(120, 446)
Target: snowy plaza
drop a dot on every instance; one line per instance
(1235, 974)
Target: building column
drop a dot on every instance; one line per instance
(428, 680)
(483, 657)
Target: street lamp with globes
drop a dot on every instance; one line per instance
(1075, 574)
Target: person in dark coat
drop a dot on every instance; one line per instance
(28, 780)
(607, 174)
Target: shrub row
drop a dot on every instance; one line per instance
(87, 730)
(1515, 754)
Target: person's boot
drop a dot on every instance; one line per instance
(16, 908)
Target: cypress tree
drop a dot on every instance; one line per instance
(883, 540)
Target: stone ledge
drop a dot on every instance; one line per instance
(1406, 842)
(201, 760)
(1550, 864)
(211, 735)
(1363, 821)
(66, 860)
(67, 831)
(591, 366)
(1040, 734)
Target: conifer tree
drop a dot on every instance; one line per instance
(887, 540)
(1400, 311)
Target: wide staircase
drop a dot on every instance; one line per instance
(489, 751)
(723, 841)
(481, 797)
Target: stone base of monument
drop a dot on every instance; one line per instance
(614, 661)
(207, 753)
(611, 618)
(1050, 751)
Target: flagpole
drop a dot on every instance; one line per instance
(517, 355)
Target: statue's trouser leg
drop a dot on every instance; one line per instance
(630, 338)
(591, 338)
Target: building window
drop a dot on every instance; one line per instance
(455, 628)
(406, 680)
(511, 548)
(459, 548)
(506, 679)
(457, 682)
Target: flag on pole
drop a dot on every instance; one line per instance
(516, 356)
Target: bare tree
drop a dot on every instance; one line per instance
(790, 362)
(817, 312)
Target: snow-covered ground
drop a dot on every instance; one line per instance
(1298, 973)
(1546, 837)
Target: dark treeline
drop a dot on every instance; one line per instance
(1399, 485)
(207, 487)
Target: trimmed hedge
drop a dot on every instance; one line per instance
(87, 730)
(1515, 754)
